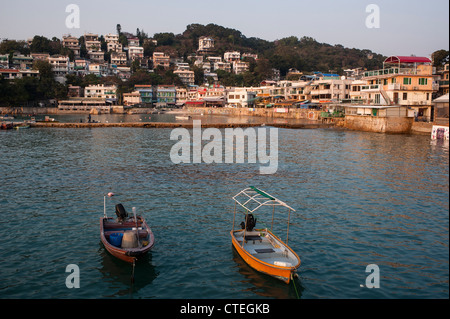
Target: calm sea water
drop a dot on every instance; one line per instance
(361, 198)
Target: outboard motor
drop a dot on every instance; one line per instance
(121, 212)
(251, 222)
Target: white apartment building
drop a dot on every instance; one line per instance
(231, 56)
(60, 67)
(205, 44)
(135, 52)
(72, 43)
(241, 97)
(101, 91)
(240, 67)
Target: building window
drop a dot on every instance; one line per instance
(423, 81)
(394, 80)
(405, 96)
(407, 81)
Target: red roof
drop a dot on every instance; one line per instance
(407, 59)
(9, 71)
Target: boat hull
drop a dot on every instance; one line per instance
(129, 255)
(280, 272)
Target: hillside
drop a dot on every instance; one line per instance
(305, 54)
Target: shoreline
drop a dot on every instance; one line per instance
(175, 125)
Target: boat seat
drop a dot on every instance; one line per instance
(264, 250)
(253, 238)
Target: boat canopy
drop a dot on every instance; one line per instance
(253, 198)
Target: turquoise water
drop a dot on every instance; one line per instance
(360, 199)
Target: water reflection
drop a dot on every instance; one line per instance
(119, 274)
(265, 285)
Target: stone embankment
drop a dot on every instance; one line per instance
(174, 125)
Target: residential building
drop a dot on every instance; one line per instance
(133, 41)
(113, 44)
(250, 55)
(60, 67)
(241, 97)
(231, 56)
(75, 91)
(145, 93)
(119, 58)
(135, 52)
(186, 76)
(225, 66)
(161, 59)
(330, 90)
(20, 61)
(101, 91)
(12, 74)
(4, 61)
(40, 56)
(99, 69)
(443, 82)
(97, 56)
(72, 43)
(91, 42)
(404, 80)
(240, 67)
(205, 45)
(132, 98)
(165, 95)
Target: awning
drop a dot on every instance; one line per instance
(407, 59)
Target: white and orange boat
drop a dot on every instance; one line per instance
(260, 248)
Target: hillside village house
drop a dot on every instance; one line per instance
(101, 91)
(161, 59)
(406, 81)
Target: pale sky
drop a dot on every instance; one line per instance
(406, 26)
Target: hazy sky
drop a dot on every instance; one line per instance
(406, 26)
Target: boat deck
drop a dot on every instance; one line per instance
(266, 248)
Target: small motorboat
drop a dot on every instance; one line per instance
(182, 117)
(260, 248)
(126, 237)
(21, 126)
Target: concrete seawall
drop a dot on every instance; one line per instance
(172, 125)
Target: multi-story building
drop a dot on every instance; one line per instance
(405, 81)
(101, 91)
(225, 66)
(443, 82)
(97, 56)
(241, 97)
(4, 61)
(20, 61)
(113, 44)
(186, 76)
(119, 58)
(165, 95)
(205, 45)
(99, 69)
(91, 42)
(231, 56)
(330, 90)
(161, 59)
(135, 52)
(145, 92)
(60, 67)
(240, 67)
(72, 43)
